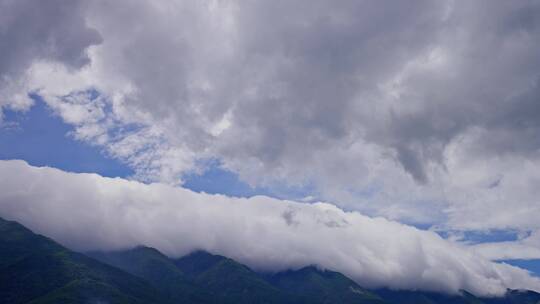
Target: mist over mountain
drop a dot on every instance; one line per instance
(36, 269)
(89, 212)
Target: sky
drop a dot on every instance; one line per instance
(369, 137)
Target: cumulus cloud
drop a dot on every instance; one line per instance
(90, 212)
(424, 111)
(32, 31)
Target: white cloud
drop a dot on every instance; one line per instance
(30, 31)
(424, 112)
(89, 212)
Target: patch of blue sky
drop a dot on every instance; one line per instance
(532, 266)
(494, 236)
(478, 237)
(92, 94)
(217, 180)
(42, 139)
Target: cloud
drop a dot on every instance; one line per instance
(89, 212)
(33, 31)
(426, 112)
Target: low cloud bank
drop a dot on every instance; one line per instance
(90, 212)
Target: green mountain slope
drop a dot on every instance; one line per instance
(230, 281)
(419, 297)
(224, 280)
(159, 271)
(35, 269)
(323, 286)
(516, 297)
(197, 278)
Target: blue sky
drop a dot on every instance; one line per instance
(41, 138)
(532, 265)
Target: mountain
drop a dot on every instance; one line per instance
(158, 270)
(197, 278)
(223, 280)
(516, 297)
(323, 286)
(420, 297)
(230, 281)
(37, 270)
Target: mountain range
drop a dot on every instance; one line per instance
(36, 270)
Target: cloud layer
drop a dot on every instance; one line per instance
(425, 112)
(89, 212)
